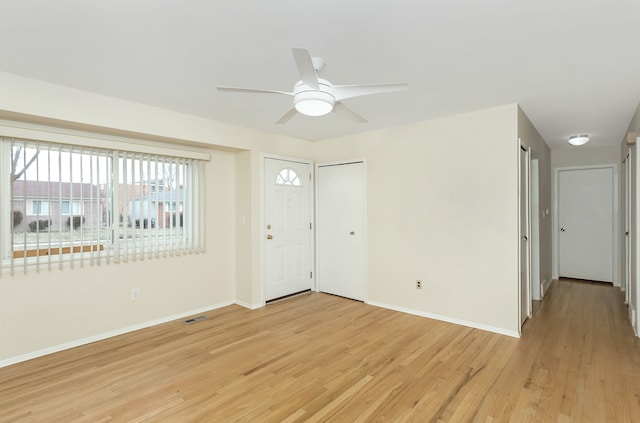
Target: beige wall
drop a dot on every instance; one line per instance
(442, 207)
(42, 311)
(584, 156)
(50, 308)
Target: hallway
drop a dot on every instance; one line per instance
(578, 357)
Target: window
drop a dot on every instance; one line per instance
(40, 207)
(288, 177)
(74, 203)
(73, 206)
(37, 207)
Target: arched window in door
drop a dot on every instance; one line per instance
(288, 177)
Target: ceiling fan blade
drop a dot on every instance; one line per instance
(287, 116)
(252, 90)
(342, 110)
(307, 72)
(341, 92)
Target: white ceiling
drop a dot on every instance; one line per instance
(572, 65)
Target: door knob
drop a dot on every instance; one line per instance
(352, 233)
(269, 236)
(562, 229)
(524, 237)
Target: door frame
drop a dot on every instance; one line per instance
(364, 221)
(263, 231)
(534, 207)
(616, 217)
(526, 173)
(625, 255)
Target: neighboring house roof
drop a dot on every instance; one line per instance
(32, 189)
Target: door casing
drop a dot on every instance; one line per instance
(524, 230)
(263, 233)
(556, 220)
(363, 223)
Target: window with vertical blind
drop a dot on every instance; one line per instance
(77, 204)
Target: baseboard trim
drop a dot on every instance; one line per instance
(110, 334)
(447, 319)
(545, 286)
(632, 320)
(249, 306)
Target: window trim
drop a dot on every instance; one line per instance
(80, 139)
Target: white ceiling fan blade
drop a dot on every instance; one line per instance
(304, 63)
(287, 117)
(252, 90)
(342, 110)
(341, 92)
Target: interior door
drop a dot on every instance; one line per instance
(340, 257)
(534, 195)
(525, 249)
(287, 219)
(585, 202)
(627, 229)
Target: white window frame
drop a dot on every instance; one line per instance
(194, 222)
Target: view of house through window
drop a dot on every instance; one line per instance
(70, 199)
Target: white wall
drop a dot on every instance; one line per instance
(442, 207)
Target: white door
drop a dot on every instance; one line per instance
(585, 217)
(627, 229)
(536, 291)
(525, 251)
(340, 258)
(287, 220)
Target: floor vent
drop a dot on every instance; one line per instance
(194, 319)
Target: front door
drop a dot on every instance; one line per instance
(287, 231)
(585, 199)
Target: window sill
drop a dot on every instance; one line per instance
(55, 251)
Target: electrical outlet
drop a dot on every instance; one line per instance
(418, 284)
(135, 294)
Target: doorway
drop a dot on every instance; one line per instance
(340, 232)
(287, 227)
(586, 229)
(524, 289)
(627, 230)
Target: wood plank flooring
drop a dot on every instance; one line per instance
(318, 358)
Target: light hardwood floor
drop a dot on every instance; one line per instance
(321, 358)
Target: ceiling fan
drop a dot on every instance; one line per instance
(314, 96)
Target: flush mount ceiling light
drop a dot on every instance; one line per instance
(578, 139)
(313, 103)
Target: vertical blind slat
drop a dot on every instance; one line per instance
(49, 261)
(40, 205)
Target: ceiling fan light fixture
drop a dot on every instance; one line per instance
(314, 103)
(578, 139)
